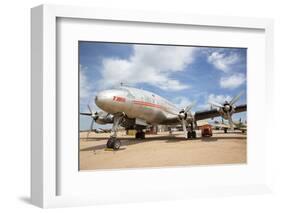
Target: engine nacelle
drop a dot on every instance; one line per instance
(104, 118)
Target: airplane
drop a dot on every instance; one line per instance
(134, 108)
(241, 126)
(238, 125)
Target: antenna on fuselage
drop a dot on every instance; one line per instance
(122, 84)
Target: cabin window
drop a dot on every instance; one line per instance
(130, 95)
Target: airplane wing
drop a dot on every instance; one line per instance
(201, 115)
(241, 108)
(86, 113)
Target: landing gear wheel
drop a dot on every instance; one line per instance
(110, 142)
(140, 135)
(189, 135)
(116, 144)
(193, 134)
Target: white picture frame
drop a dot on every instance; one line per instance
(44, 150)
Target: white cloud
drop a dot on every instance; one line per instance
(222, 61)
(233, 81)
(84, 84)
(212, 98)
(86, 95)
(149, 64)
(181, 102)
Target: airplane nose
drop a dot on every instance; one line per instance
(105, 100)
(102, 98)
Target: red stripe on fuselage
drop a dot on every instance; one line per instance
(148, 104)
(119, 99)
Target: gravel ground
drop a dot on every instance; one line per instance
(162, 150)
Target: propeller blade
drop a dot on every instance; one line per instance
(188, 108)
(236, 98)
(230, 121)
(184, 128)
(91, 128)
(92, 124)
(90, 109)
(216, 104)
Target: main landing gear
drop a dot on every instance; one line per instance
(140, 135)
(113, 142)
(191, 134)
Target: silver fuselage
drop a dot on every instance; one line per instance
(137, 103)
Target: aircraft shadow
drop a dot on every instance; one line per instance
(133, 141)
(103, 146)
(211, 139)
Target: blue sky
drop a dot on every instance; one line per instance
(181, 74)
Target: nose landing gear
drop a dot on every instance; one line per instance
(113, 142)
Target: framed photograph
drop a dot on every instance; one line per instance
(131, 106)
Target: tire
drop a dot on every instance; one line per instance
(189, 135)
(193, 134)
(110, 142)
(137, 135)
(116, 144)
(142, 135)
(225, 130)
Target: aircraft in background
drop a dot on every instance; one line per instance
(134, 108)
(238, 125)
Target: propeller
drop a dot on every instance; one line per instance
(236, 98)
(95, 116)
(228, 108)
(183, 114)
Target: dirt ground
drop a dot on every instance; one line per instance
(162, 150)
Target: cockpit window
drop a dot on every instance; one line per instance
(128, 93)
